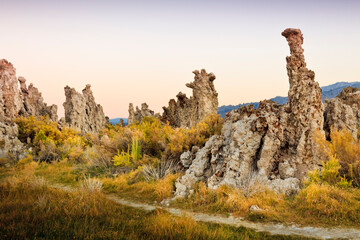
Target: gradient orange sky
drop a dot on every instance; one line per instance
(145, 51)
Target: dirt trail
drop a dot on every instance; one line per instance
(272, 228)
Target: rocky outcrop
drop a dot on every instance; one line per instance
(11, 104)
(82, 112)
(10, 145)
(139, 114)
(187, 112)
(273, 143)
(16, 102)
(10, 107)
(26, 101)
(34, 103)
(343, 112)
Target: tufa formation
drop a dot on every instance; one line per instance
(27, 101)
(14, 103)
(139, 114)
(187, 112)
(82, 112)
(17, 99)
(34, 103)
(343, 112)
(272, 144)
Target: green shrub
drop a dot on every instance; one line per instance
(48, 142)
(129, 159)
(342, 158)
(138, 143)
(329, 174)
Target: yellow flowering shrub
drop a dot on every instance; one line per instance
(342, 158)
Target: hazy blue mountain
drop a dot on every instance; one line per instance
(328, 92)
(117, 120)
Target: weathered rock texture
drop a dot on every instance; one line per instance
(82, 112)
(11, 104)
(34, 103)
(273, 143)
(16, 102)
(10, 145)
(10, 107)
(343, 112)
(187, 112)
(139, 114)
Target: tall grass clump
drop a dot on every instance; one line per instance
(91, 184)
(153, 172)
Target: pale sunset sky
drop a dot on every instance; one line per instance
(145, 51)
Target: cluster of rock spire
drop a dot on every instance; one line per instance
(17, 99)
(274, 143)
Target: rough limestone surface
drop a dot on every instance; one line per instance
(343, 112)
(10, 107)
(34, 103)
(187, 112)
(10, 145)
(273, 143)
(82, 112)
(11, 104)
(139, 114)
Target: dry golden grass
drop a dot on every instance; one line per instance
(319, 205)
(327, 204)
(127, 186)
(229, 200)
(59, 172)
(30, 209)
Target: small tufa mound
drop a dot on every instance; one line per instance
(343, 112)
(139, 114)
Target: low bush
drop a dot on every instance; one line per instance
(48, 142)
(329, 174)
(344, 149)
(140, 143)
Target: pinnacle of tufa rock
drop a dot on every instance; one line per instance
(187, 112)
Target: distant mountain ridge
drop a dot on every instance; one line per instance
(328, 92)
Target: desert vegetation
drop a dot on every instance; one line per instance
(31, 209)
(33, 188)
(140, 162)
